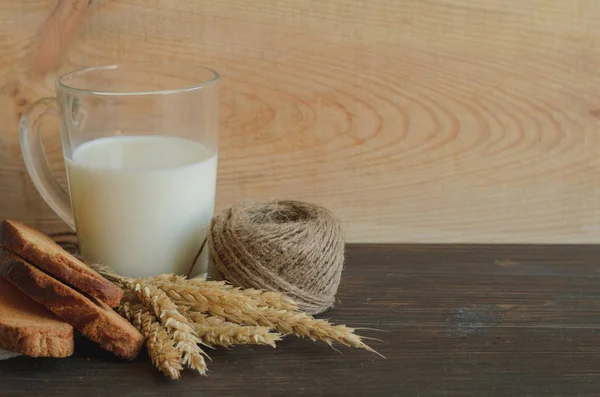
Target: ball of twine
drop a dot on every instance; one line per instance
(286, 246)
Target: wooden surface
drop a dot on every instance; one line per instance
(416, 121)
(459, 321)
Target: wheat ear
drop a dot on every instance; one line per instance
(273, 299)
(165, 357)
(241, 297)
(302, 325)
(217, 332)
(184, 334)
(286, 322)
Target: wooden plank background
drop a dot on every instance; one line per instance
(414, 120)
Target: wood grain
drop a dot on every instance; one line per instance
(415, 121)
(458, 321)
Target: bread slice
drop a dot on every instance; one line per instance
(90, 316)
(28, 328)
(41, 250)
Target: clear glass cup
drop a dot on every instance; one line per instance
(140, 143)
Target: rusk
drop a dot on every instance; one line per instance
(44, 253)
(28, 328)
(89, 315)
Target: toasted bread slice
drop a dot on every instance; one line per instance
(90, 316)
(28, 328)
(43, 252)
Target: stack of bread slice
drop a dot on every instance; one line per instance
(45, 293)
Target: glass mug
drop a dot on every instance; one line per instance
(140, 143)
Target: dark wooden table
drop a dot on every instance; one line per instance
(459, 321)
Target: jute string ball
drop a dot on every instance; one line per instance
(287, 246)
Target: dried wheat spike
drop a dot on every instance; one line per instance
(165, 357)
(273, 299)
(207, 300)
(303, 325)
(218, 332)
(286, 322)
(241, 297)
(184, 334)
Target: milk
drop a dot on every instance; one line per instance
(142, 204)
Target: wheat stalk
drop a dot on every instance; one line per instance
(163, 354)
(218, 332)
(273, 299)
(247, 297)
(287, 322)
(206, 300)
(302, 325)
(177, 314)
(183, 333)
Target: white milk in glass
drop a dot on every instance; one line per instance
(142, 204)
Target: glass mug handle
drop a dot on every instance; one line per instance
(36, 161)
